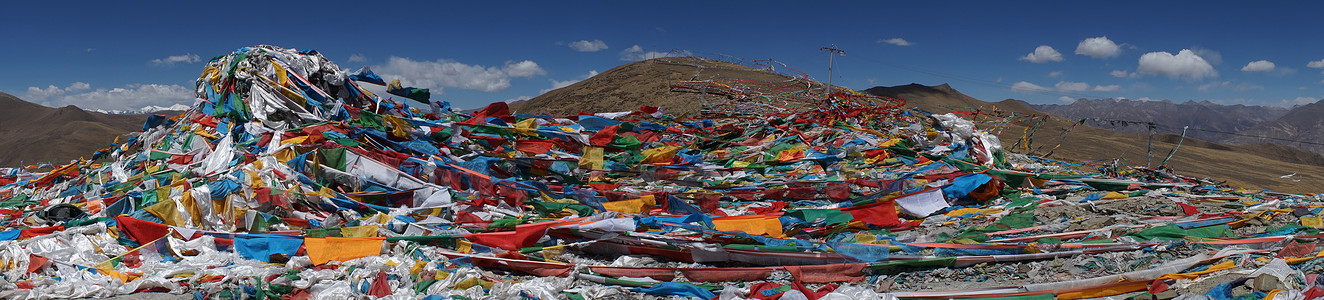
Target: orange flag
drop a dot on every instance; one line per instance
(323, 250)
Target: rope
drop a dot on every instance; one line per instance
(1174, 149)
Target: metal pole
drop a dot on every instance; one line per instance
(832, 53)
(1150, 150)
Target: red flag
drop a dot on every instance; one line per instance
(726, 274)
(534, 146)
(39, 231)
(523, 236)
(604, 136)
(35, 263)
(496, 110)
(540, 268)
(142, 231)
(380, 286)
(828, 273)
(708, 202)
(812, 294)
(839, 191)
(181, 159)
(881, 213)
(660, 274)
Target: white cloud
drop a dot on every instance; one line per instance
(1027, 87)
(588, 46)
(1043, 54)
(897, 41)
(525, 69)
(1211, 56)
(1119, 73)
(1107, 88)
(556, 84)
(1067, 86)
(1318, 64)
(356, 57)
(39, 94)
(1185, 65)
(1258, 66)
(1054, 73)
(1066, 99)
(1302, 88)
(637, 53)
(445, 73)
(1098, 47)
(172, 60)
(133, 96)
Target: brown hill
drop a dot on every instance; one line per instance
(626, 87)
(31, 133)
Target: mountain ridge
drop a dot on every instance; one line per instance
(31, 133)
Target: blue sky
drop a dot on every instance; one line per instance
(101, 55)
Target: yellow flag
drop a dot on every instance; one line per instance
(1312, 222)
(282, 77)
(526, 127)
(633, 206)
(662, 154)
(592, 158)
(1115, 195)
(359, 231)
(753, 224)
(464, 246)
(166, 210)
(551, 254)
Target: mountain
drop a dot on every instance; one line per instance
(146, 110)
(930, 98)
(1213, 121)
(1304, 123)
(31, 133)
(648, 82)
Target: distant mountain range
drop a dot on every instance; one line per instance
(145, 110)
(1302, 127)
(1210, 121)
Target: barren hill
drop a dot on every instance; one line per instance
(629, 86)
(31, 133)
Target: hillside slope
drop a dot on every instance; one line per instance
(626, 87)
(31, 133)
(1257, 166)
